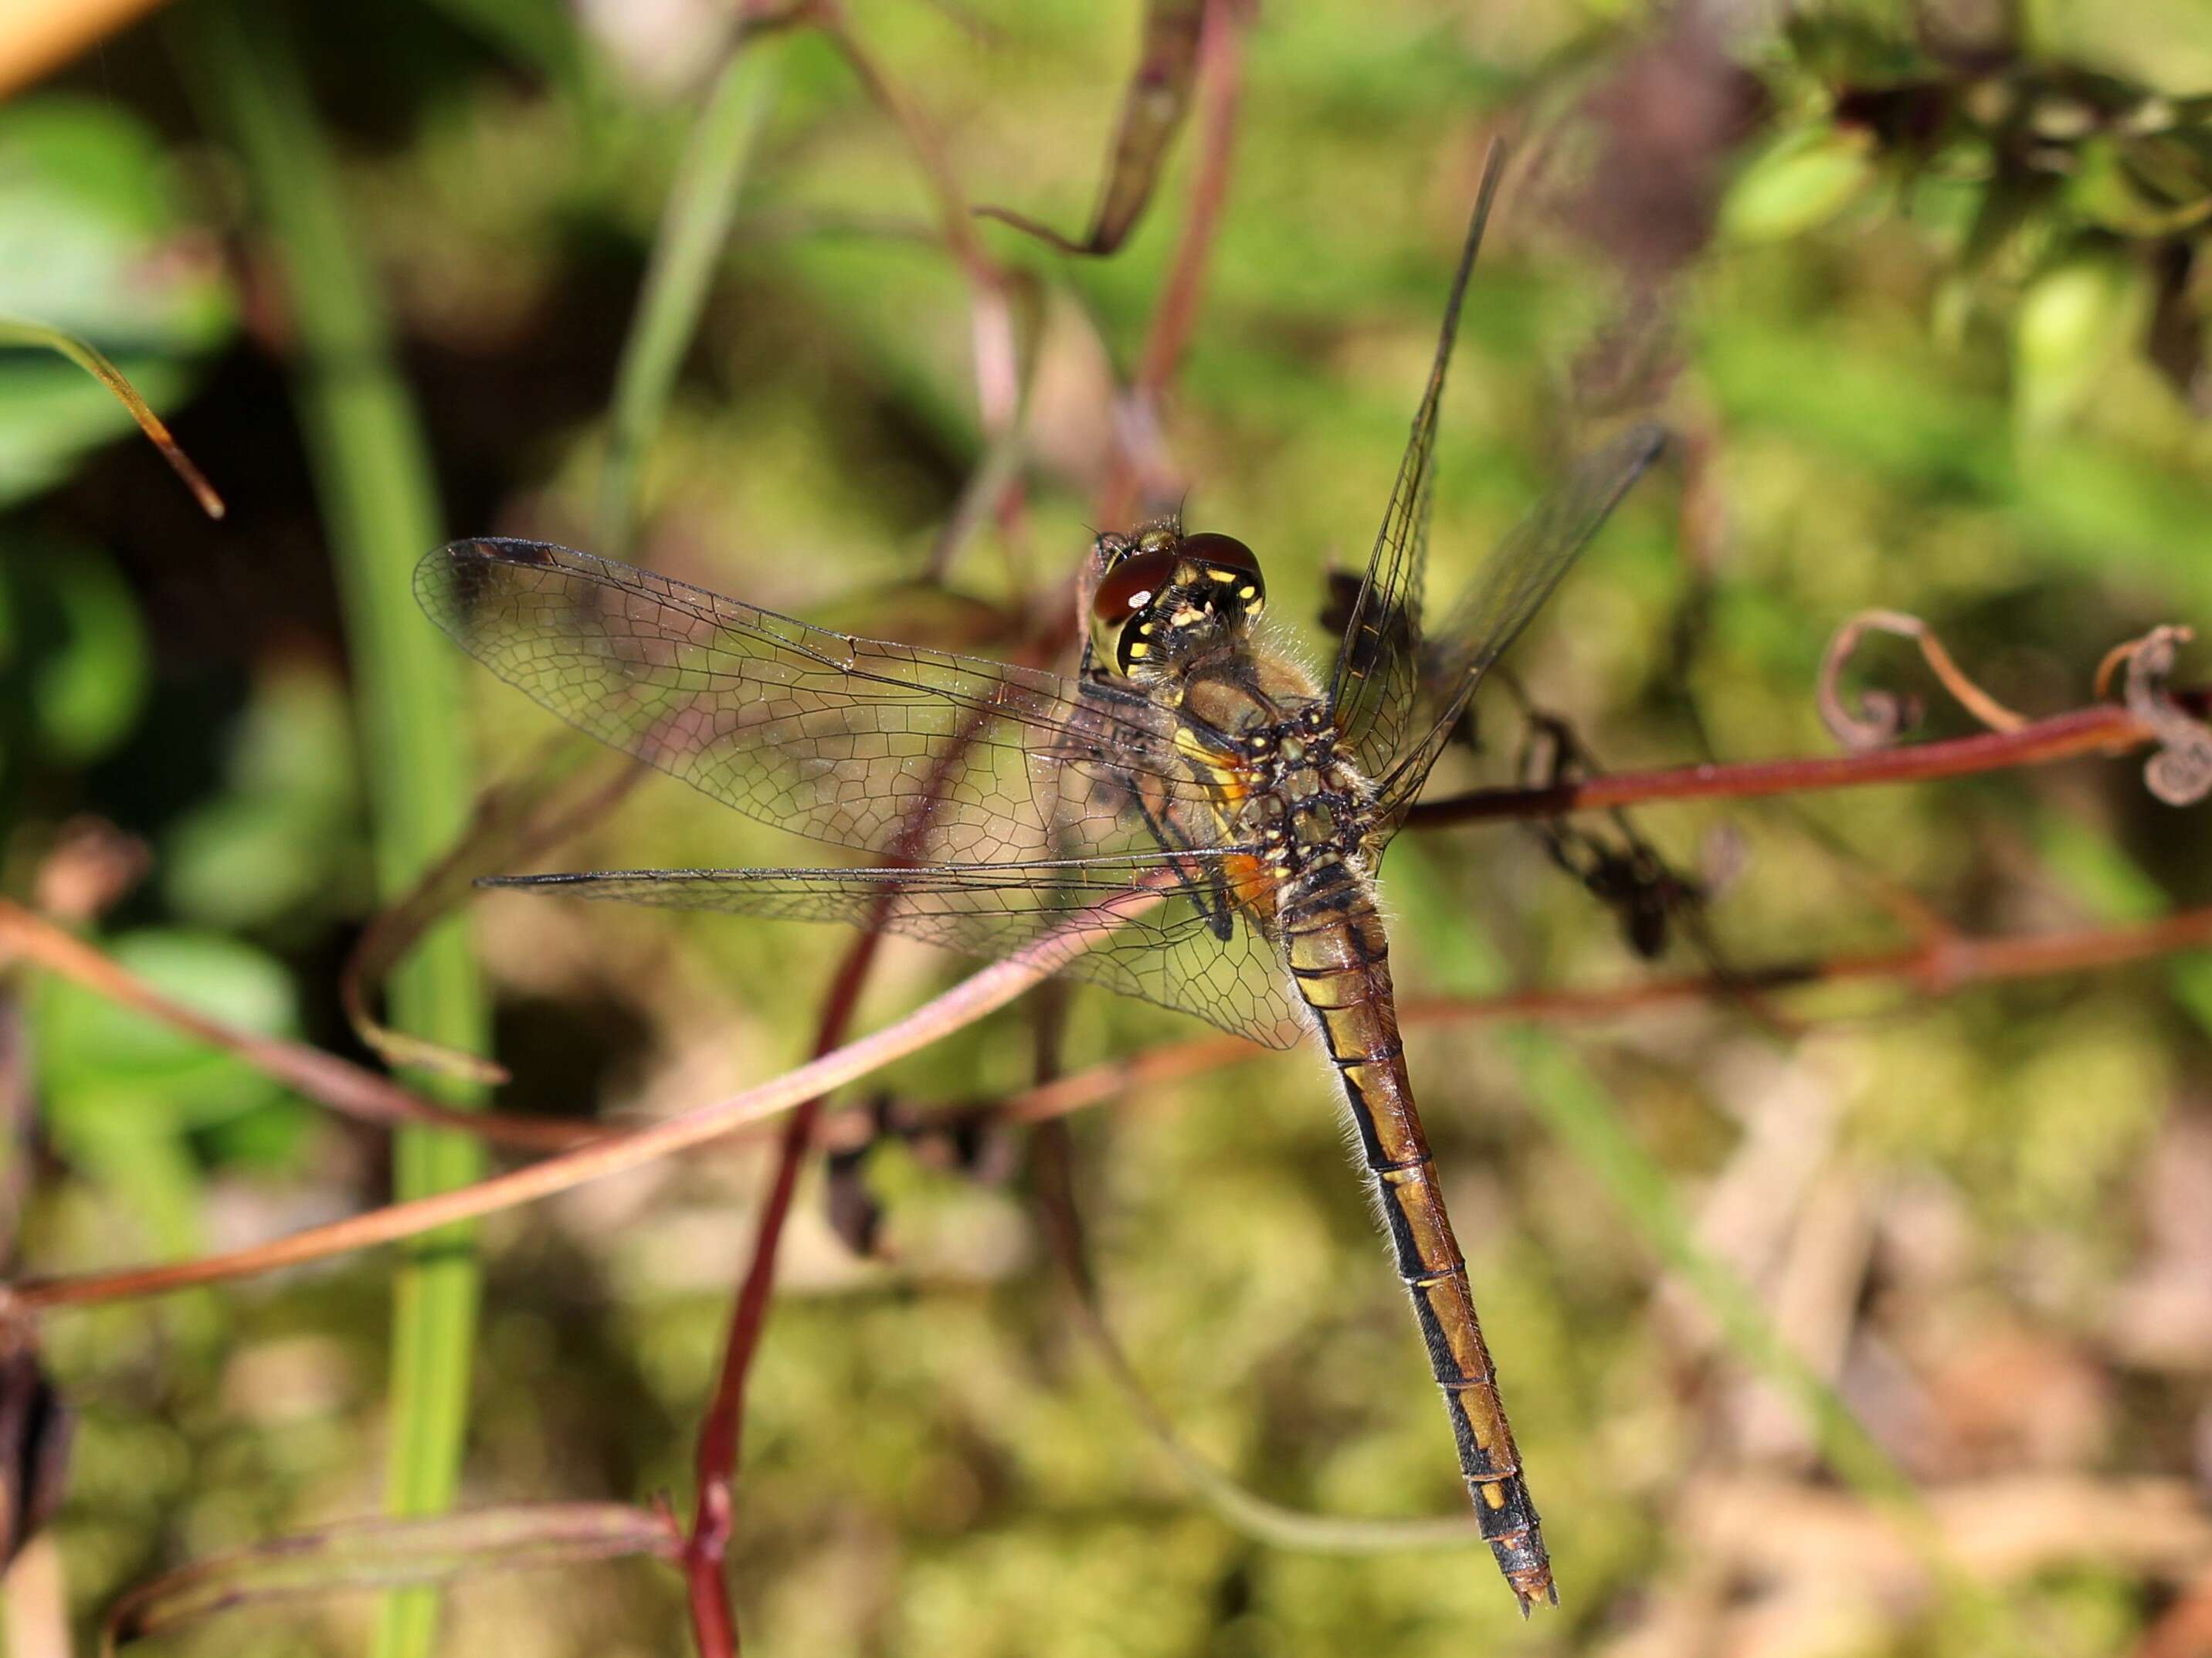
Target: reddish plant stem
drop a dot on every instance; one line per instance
(1175, 315)
(974, 997)
(1220, 84)
(2082, 731)
(1940, 964)
(324, 1078)
(713, 1620)
(2101, 728)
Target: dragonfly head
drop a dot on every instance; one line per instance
(1165, 594)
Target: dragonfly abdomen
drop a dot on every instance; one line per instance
(1333, 940)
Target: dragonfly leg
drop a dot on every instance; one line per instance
(1208, 898)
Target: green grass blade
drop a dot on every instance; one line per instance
(694, 225)
(374, 475)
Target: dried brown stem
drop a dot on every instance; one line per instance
(325, 1078)
(1882, 717)
(1152, 108)
(89, 358)
(356, 1554)
(2098, 729)
(1938, 965)
(1175, 314)
(966, 1002)
(512, 821)
(2180, 773)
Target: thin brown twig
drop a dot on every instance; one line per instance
(324, 1078)
(713, 1622)
(970, 999)
(2100, 728)
(389, 1550)
(94, 362)
(1941, 964)
(1175, 314)
(515, 819)
(2180, 773)
(1154, 101)
(1883, 714)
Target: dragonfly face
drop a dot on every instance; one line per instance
(1166, 598)
(1186, 765)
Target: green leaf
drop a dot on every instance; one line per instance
(1799, 183)
(2075, 322)
(285, 835)
(89, 1045)
(371, 465)
(88, 692)
(73, 649)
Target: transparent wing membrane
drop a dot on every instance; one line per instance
(889, 749)
(1015, 790)
(1376, 681)
(1511, 588)
(1171, 953)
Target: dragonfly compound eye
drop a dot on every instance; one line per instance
(1121, 612)
(1174, 590)
(1229, 569)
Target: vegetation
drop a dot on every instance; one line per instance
(1827, 1129)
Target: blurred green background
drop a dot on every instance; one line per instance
(1929, 346)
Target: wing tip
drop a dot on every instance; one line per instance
(497, 550)
(450, 580)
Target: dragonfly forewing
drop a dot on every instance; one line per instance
(849, 740)
(1376, 681)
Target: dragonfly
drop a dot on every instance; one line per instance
(1193, 759)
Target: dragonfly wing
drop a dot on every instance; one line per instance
(893, 750)
(1376, 679)
(1170, 952)
(1511, 587)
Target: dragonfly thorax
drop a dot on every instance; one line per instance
(1306, 806)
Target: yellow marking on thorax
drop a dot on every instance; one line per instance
(1248, 878)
